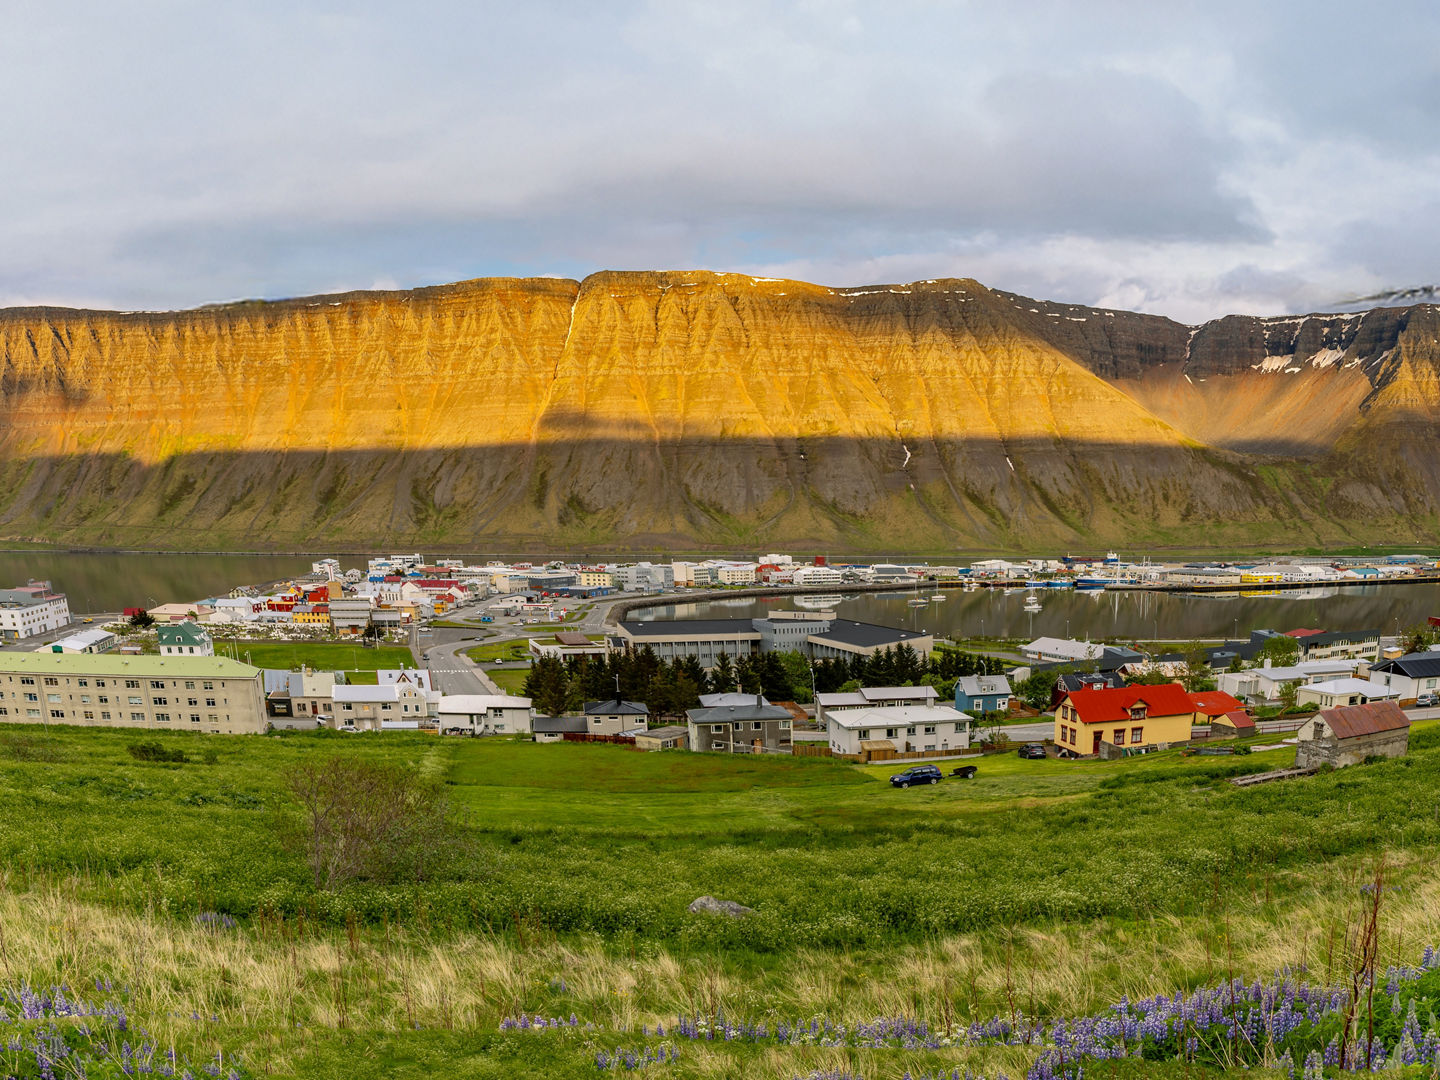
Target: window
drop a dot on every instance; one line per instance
(26, 680)
(157, 684)
(717, 746)
(99, 682)
(136, 699)
(348, 706)
(1137, 734)
(32, 697)
(33, 713)
(189, 684)
(756, 725)
(84, 699)
(160, 701)
(910, 730)
(210, 701)
(132, 684)
(194, 717)
(89, 714)
(192, 702)
(50, 680)
(212, 718)
(717, 729)
(57, 714)
(784, 725)
(82, 682)
(53, 699)
(929, 729)
(162, 717)
(1120, 736)
(104, 700)
(207, 685)
(891, 733)
(137, 717)
(387, 707)
(104, 714)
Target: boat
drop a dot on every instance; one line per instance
(917, 602)
(1058, 584)
(1032, 603)
(936, 597)
(1093, 582)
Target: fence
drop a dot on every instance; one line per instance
(585, 736)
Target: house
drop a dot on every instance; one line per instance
(184, 639)
(1061, 650)
(1129, 716)
(350, 615)
(1410, 675)
(308, 697)
(1261, 685)
(371, 708)
(1340, 644)
(752, 728)
(564, 644)
(1210, 704)
(818, 634)
(614, 717)
(31, 609)
(1237, 724)
(982, 693)
(1333, 692)
(884, 731)
(86, 641)
(1083, 680)
(1349, 734)
(872, 697)
(671, 737)
(483, 714)
(555, 728)
(416, 676)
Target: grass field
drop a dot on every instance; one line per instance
(512, 649)
(1047, 888)
(322, 656)
(510, 680)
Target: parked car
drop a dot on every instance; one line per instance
(919, 774)
(1425, 701)
(1032, 750)
(964, 772)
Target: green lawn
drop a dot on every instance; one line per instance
(510, 680)
(322, 656)
(510, 649)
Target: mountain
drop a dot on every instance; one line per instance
(694, 410)
(1420, 294)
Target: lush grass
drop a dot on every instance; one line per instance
(322, 656)
(510, 680)
(513, 649)
(1060, 884)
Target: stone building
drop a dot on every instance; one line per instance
(1348, 734)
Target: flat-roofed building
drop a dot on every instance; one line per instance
(704, 639)
(31, 609)
(212, 694)
(86, 641)
(817, 634)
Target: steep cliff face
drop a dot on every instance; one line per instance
(698, 409)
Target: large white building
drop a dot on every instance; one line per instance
(27, 610)
(484, 714)
(824, 577)
(906, 728)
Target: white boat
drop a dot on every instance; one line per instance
(917, 603)
(1032, 603)
(935, 598)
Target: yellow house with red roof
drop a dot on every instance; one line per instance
(1123, 716)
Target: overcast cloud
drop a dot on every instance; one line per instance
(1191, 161)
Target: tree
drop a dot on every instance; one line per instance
(142, 620)
(547, 686)
(1197, 676)
(1037, 690)
(1288, 694)
(722, 675)
(1281, 651)
(1419, 638)
(747, 675)
(366, 820)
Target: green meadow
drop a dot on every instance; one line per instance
(1046, 888)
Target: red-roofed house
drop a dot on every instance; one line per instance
(1348, 734)
(1210, 704)
(1123, 716)
(1233, 725)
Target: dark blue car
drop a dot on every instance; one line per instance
(919, 774)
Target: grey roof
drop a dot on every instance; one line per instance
(690, 627)
(1415, 665)
(976, 685)
(1336, 637)
(669, 731)
(616, 707)
(1080, 680)
(709, 701)
(558, 725)
(723, 714)
(865, 635)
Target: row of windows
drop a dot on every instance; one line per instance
(134, 699)
(130, 684)
(105, 714)
(1137, 735)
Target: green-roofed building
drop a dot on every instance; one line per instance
(184, 639)
(211, 694)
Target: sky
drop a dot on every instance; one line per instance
(1190, 160)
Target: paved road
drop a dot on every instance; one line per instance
(455, 673)
(1019, 733)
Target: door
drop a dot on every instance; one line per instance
(1096, 748)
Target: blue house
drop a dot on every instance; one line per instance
(976, 694)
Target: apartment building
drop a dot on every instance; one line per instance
(212, 694)
(31, 609)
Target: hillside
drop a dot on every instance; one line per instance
(639, 410)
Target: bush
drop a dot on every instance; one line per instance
(154, 751)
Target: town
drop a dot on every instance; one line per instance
(547, 653)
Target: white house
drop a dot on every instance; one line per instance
(370, 708)
(1263, 683)
(1333, 692)
(86, 641)
(1412, 676)
(184, 639)
(907, 728)
(872, 697)
(825, 577)
(1062, 650)
(484, 714)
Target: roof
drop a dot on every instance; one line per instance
(570, 637)
(722, 714)
(1353, 686)
(181, 633)
(865, 635)
(365, 693)
(1301, 632)
(896, 716)
(836, 699)
(1110, 705)
(690, 628)
(1353, 721)
(876, 744)
(669, 731)
(1336, 637)
(82, 638)
(1215, 703)
(1415, 665)
(709, 701)
(144, 667)
(1237, 718)
(1076, 650)
(1079, 680)
(616, 707)
(976, 685)
(557, 725)
(474, 703)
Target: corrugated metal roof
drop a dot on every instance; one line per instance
(1353, 721)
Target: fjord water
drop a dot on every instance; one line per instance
(113, 582)
(1138, 615)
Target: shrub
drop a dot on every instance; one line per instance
(154, 750)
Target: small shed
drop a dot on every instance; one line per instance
(1348, 734)
(1236, 724)
(877, 750)
(673, 737)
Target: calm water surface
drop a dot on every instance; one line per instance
(1139, 615)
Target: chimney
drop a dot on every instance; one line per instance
(759, 700)
(1267, 662)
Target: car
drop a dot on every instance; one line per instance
(964, 772)
(918, 774)
(1032, 750)
(1425, 701)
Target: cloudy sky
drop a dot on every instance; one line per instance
(1191, 161)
